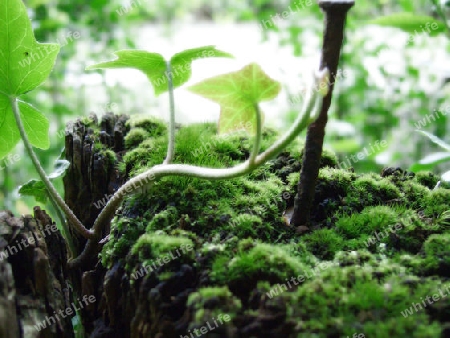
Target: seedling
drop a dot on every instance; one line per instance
(238, 94)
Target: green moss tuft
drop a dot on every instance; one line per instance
(135, 137)
(323, 243)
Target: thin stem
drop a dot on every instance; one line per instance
(145, 179)
(171, 143)
(51, 189)
(257, 144)
(65, 229)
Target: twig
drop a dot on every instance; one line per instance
(335, 14)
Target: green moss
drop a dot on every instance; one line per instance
(369, 190)
(323, 243)
(156, 245)
(436, 256)
(164, 220)
(135, 137)
(427, 179)
(214, 305)
(260, 262)
(152, 125)
(437, 203)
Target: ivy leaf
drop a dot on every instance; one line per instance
(238, 94)
(37, 189)
(181, 62)
(24, 65)
(153, 65)
(411, 23)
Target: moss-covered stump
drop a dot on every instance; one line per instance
(34, 294)
(191, 257)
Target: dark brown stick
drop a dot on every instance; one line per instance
(335, 14)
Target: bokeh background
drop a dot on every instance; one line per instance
(391, 80)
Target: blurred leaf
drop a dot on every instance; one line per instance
(411, 23)
(238, 94)
(348, 145)
(446, 176)
(37, 189)
(436, 140)
(430, 161)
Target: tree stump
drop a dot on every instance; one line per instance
(33, 278)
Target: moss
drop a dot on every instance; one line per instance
(260, 262)
(374, 242)
(436, 257)
(154, 246)
(152, 125)
(369, 190)
(437, 202)
(164, 220)
(135, 137)
(427, 179)
(212, 306)
(323, 243)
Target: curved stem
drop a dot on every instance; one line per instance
(171, 143)
(51, 189)
(257, 144)
(138, 183)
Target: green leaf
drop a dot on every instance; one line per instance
(411, 23)
(436, 140)
(36, 126)
(238, 94)
(24, 65)
(181, 62)
(153, 65)
(37, 189)
(430, 161)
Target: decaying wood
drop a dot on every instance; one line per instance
(33, 278)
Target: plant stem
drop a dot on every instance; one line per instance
(65, 229)
(335, 14)
(258, 136)
(139, 182)
(171, 143)
(57, 199)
